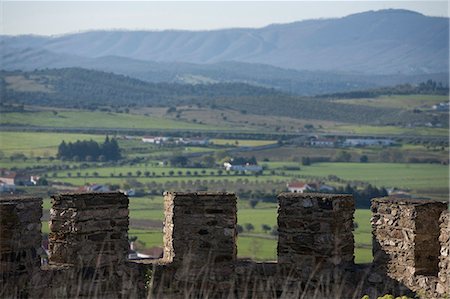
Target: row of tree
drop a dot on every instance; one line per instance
(90, 150)
(428, 87)
(363, 196)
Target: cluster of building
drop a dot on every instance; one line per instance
(10, 179)
(229, 166)
(303, 187)
(444, 107)
(176, 140)
(350, 142)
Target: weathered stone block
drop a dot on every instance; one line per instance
(200, 234)
(444, 260)
(20, 244)
(90, 228)
(315, 231)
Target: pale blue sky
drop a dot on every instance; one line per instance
(58, 17)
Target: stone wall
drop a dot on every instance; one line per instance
(89, 230)
(20, 244)
(315, 232)
(89, 245)
(406, 244)
(443, 286)
(199, 241)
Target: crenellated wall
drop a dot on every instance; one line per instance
(89, 245)
(20, 244)
(315, 232)
(407, 245)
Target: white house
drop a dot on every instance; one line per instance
(247, 167)
(34, 179)
(155, 139)
(299, 187)
(8, 177)
(441, 106)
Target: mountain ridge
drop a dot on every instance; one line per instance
(374, 42)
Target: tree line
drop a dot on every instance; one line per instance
(90, 150)
(428, 87)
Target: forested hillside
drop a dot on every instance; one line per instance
(81, 88)
(87, 89)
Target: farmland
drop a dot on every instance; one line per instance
(415, 165)
(399, 101)
(87, 119)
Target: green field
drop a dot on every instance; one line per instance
(399, 101)
(86, 119)
(388, 130)
(403, 175)
(242, 142)
(39, 143)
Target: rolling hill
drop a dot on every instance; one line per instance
(88, 89)
(375, 42)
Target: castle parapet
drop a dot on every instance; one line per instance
(443, 287)
(20, 244)
(200, 238)
(89, 229)
(406, 244)
(315, 232)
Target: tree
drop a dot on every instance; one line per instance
(239, 229)
(253, 203)
(249, 227)
(209, 161)
(62, 150)
(343, 156)
(306, 161)
(274, 231)
(42, 182)
(138, 173)
(364, 159)
(266, 228)
(178, 161)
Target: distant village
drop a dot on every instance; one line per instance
(10, 179)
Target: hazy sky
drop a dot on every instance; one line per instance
(57, 17)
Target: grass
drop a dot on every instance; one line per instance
(242, 142)
(399, 101)
(151, 238)
(388, 130)
(88, 119)
(257, 248)
(402, 175)
(39, 143)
